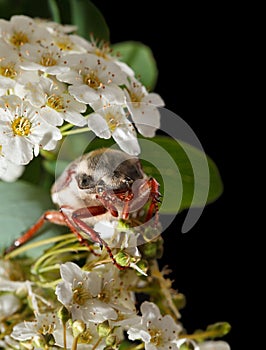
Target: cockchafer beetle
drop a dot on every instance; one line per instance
(103, 184)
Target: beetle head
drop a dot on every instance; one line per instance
(107, 169)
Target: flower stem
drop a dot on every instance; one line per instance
(97, 343)
(64, 336)
(33, 245)
(66, 127)
(39, 262)
(75, 343)
(75, 131)
(199, 335)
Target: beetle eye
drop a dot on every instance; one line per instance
(100, 187)
(128, 181)
(84, 181)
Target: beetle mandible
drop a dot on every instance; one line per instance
(102, 184)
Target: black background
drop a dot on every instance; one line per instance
(194, 49)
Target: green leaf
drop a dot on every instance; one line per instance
(54, 9)
(179, 167)
(55, 167)
(89, 20)
(21, 206)
(140, 58)
(219, 329)
(30, 8)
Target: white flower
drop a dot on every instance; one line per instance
(21, 30)
(9, 343)
(23, 130)
(42, 325)
(157, 331)
(8, 282)
(55, 28)
(111, 120)
(214, 345)
(93, 78)
(9, 304)
(80, 292)
(121, 238)
(87, 339)
(103, 50)
(71, 43)
(115, 292)
(143, 107)
(55, 102)
(9, 171)
(10, 72)
(47, 59)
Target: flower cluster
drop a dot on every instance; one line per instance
(50, 77)
(88, 306)
(54, 83)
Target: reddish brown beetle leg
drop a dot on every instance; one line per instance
(51, 216)
(76, 217)
(155, 199)
(85, 212)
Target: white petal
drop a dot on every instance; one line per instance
(99, 126)
(24, 330)
(9, 304)
(54, 70)
(113, 94)
(51, 116)
(50, 138)
(147, 119)
(125, 137)
(149, 310)
(70, 271)
(137, 332)
(21, 150)
(70, 77)
(75, 118)
(99, 312)
(125, 68)
(214, 345)
(64, 293)
(84, 93)
(154, 99)
(94, 283)
(11, 286)
(12, 172)
(106, 229)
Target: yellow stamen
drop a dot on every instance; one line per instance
(48, 60)
(55, 102)
(19, 39)
(64, 45)
(155, 336)
(8, 71)
(136, 99)
(92, 80)
(111, 121)
(21, 126)
(80, 294)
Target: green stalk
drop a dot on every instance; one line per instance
(33, 245)
(75, 131)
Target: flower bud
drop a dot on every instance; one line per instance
(152, 250)
(143, 266)
(122, 258)
(78, 328)
(104, 329)
(63, 314)
(39, 341)
(110, 340)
